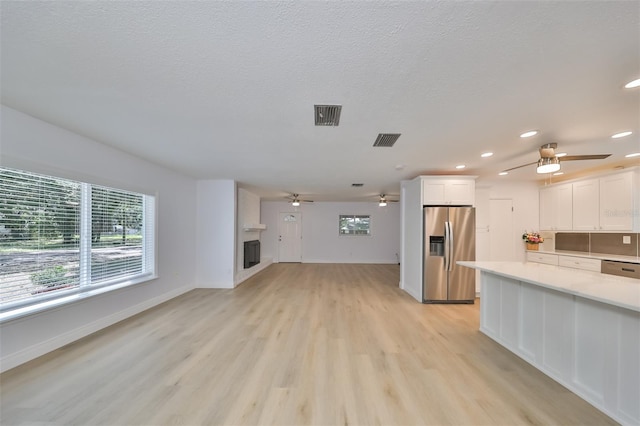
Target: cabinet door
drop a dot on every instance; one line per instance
(564, 207)
(547, 209)
(549, 259)
(586, 205)
(459, 192)
(433, 192)
(556, 208)
(616, 202)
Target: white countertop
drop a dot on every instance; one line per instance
(618, 291)
(603, 256)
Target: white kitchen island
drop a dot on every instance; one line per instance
(581, 328)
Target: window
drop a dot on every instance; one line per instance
(355, 225)
(59, 237)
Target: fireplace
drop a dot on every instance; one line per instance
(251, 253)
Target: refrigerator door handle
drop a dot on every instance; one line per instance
(451, 251)
(446, 246)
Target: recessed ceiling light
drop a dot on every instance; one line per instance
(558, 173)
(561, 154)
(486, 154)
(621, 135)
(635, 154)
(460, 166)
(632, 84)
(529, 134)
(503, 173)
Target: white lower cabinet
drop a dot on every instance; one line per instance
(576, 262)
(592, 348)
(547, 258)
(580, 263)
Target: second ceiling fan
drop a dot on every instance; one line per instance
(295, 200)
(549, 162)
(383, 200)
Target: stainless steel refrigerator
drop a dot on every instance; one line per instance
(449, 236)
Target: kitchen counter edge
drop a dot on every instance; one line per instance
(613, 290)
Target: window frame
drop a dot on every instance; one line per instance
(354, 217)
(87, 287)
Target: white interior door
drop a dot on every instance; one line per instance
(501, 237)
(290, 237)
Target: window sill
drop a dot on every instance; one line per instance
(59, 302)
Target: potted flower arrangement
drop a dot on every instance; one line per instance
(532, 239)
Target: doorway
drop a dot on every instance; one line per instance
(290, 237)
(501, 238)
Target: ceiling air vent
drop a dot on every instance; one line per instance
(357, 185)
(327, 115)
(386, 139)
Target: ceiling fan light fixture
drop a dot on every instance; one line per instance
(548, 165)
(632, 84)
(382, 203)
(529, 134)
(295, 203)
(621, 135)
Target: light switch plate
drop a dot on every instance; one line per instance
(626, 239)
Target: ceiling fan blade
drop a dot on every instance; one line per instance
(518, 167)
(584, 157)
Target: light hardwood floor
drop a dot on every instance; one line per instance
(296, 344)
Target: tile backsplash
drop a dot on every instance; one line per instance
(574, 242)
(609, 243)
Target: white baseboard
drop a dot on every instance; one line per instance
(13, 360)
(361, 261)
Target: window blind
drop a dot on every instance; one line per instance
(59, 236)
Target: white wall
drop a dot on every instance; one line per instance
(216, 224)
(31, 144)
(320, 240)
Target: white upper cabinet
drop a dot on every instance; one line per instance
(448, 191)
(607, 203)
(616, 202)
(586, 204)
(556, 208)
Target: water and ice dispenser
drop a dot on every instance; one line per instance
(436, 245)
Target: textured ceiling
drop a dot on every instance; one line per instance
(226, 89)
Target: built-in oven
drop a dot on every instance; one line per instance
(623, 269)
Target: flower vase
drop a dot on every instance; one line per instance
(532, 246)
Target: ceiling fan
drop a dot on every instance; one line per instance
(295, 200)
(383, 200)
(549, 162)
